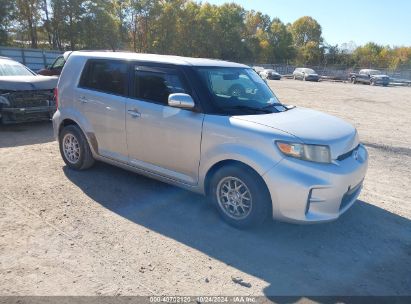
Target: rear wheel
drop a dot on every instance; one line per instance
(74, 148)
(240, 196)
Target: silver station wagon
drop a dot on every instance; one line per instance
(212, 127)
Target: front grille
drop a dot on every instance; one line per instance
(27, 99)
(347, 155)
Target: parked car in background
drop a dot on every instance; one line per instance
(24, 95)
(305, 74)
(257, 69)
(177, 120)
(371, 77)
(270, 74)
(55, 68)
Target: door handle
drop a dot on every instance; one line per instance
(134, 113)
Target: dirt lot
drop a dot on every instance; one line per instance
(111, 232)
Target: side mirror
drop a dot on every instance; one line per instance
(181, 100)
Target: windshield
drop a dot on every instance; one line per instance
(239, 90)
(14, 69)
(374, 72)
(310, 71)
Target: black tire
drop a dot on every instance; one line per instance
(372, 82)
(353, 80)
(304, 79)
(85, 159)
(236, 90)
(260, 199)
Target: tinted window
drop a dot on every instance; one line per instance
(105, 76)
(157, 84)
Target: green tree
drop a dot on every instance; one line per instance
(6, 15)
(100, 25)
(368, 55)
(28, 17)
(66, 23)
(307, 35)
(281, 41)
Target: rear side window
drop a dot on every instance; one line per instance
(156, 84)
(108, 76)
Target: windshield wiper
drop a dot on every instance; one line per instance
(274, 104)
(260, 110)
(277, 104)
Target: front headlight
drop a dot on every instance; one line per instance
(314, 153)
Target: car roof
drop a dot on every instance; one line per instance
(166, 59)
(369, 70)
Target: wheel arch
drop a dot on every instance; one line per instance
(90, 136)
(227, 162)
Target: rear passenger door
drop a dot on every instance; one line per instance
(101, 98)
(162, 139)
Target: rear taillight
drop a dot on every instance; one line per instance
(56, 98)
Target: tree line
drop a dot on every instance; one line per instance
(183, 27)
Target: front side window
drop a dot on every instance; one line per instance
(108, 76)
(239, 91)
(59, 63)
(156, 84)
(11, 68)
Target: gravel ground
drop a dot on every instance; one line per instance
(107, 231)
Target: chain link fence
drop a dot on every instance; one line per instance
(400, 76)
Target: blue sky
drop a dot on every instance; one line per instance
(381, 21)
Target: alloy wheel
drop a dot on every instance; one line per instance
(234, 197)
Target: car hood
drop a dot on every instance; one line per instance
(311, 127)
(27, 83)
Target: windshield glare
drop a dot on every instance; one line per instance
(374, 72)
(13, 69)
(310, 71)
(240, 89)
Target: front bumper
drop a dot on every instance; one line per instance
(274, 77)
(382, 81)
(15, 115)
(312, 78)
(23, 106)
(306, 192)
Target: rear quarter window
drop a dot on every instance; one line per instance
(108, 76)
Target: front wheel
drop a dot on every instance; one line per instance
(372, 82)
(240, 196)
(353, 80)
(74, 148)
